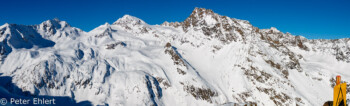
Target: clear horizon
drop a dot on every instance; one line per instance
(312, 19)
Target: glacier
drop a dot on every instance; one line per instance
(208, 59)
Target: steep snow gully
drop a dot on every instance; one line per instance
(208, 59)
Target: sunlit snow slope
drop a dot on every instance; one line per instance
(208, 59)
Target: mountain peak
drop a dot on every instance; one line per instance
(127, 19)
(200, 11)
(102, 30)
(54, 23)
(5, 25)
(201, 16)
(106, 24)
(56, 19)
(274, 29)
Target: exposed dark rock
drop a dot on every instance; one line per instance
(113, 45)
(164, 82)
(201, 93)
(278, 98)
(174, 56)
(181, 71)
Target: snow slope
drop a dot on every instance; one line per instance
(208, 59)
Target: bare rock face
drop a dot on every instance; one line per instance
(201, 93)
(174, 56)
(113, 45)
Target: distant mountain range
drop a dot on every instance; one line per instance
(208, 59)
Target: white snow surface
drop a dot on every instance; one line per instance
(208, 59)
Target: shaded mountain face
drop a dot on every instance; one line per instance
(208, 59)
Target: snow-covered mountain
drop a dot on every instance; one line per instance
(208, 59)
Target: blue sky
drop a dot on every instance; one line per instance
(314, 19)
